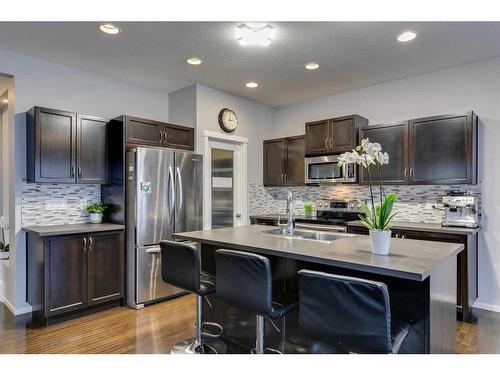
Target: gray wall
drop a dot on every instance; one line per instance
(474, 86)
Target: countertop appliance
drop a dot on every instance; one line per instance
(332, 216)
(325, 170)
(164, 196)
(460, 210)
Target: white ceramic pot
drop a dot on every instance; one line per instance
(96, 218)
(380, 241)
(4, 255)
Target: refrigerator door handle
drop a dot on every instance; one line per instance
(181, 202)
(171, 197)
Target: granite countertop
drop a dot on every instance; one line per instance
(408, 259)
(57, 230)
(424, 227)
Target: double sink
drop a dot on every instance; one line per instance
(309, 235)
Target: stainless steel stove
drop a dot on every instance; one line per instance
(331, 216)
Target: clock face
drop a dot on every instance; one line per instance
(228, 120)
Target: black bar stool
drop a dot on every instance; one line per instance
(348, 313)
(180, 266)
(244, 280)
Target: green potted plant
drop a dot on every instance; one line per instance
(4, 246)
(378, 212)
(95, 210)
(308, 208)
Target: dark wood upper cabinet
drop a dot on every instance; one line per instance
(443, 149)
(64, 147)
(65, 274)
(105, 267)
(143, 132)
(92, 155)
(333, 135)
(51, 145)
(394, 140)
(284, 161)
(139, 131)
(295, 153)
(274, 162)
(317, 137)
(176, 136)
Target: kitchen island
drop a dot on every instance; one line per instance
(420, 275)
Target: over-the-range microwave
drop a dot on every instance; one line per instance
(325, 170)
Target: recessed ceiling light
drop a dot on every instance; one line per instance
(5, 100)
(248, 36)
(109, 28)
(252, 84)
(406, 36)
(311, 66)
(194, 61)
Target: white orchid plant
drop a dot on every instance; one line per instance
(376, 217)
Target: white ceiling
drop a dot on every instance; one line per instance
(351, 54)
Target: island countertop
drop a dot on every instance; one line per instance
(408, 259)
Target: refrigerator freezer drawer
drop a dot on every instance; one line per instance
(150, 285)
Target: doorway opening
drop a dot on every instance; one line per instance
(225, 174)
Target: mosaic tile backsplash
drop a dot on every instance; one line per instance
(414, 203)
(43, 204)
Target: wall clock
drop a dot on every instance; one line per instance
(228, 120)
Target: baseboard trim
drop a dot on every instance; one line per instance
(22, 310)
(485, 306)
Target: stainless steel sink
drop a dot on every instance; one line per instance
(310, 235)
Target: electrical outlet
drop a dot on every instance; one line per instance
(55, 204)
(83, 204)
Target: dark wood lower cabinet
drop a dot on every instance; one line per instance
(467, 285)
(70, 273)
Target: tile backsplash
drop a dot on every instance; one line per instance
(52, 204)
(414, 202)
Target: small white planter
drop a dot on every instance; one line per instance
(4, 255)
(380, 241)
(96, 218)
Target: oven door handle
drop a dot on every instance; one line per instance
(327, 228)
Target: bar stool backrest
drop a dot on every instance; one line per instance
(180, 265)
(345, 312)
(244, 280)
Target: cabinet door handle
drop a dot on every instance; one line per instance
(286, 178)
(79, 171)
(411, 172)
(91, 244)
(161, 136)
(282, 178)
(72, 171)
(326, 142)
(331, 142)
(84, 249)
(406, 172)
(164, 137)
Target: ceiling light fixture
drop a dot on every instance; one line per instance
(406, 36)
(5, 101)
(252, 85)
(248, 36)
(109, 28)
(194, 61)
(311, 66)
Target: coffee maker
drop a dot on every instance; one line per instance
(460, 210)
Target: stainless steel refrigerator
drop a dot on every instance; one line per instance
(164, 196)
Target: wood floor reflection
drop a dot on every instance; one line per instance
(158, 327)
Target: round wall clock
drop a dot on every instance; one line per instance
(228, 120)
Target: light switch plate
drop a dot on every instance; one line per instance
(83, 204)
(55, 204)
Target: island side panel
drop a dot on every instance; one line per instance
(442, 307)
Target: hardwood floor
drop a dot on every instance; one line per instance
(156, 328)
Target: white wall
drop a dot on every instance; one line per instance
(254, 120)
(468, 87)
(182, 106)
(41, 83)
